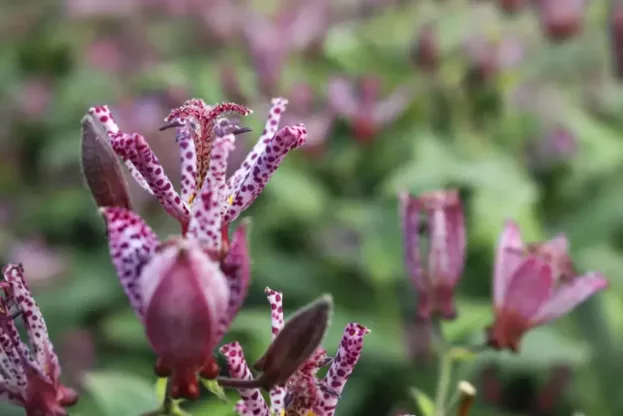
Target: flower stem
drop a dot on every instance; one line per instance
(167, 404)
(445, 377)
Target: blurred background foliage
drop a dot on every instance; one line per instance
(513, 102)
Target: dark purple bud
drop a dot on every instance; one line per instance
(511, 6)
(297, 341)
(561, 19)
(100, 167)
(616, 37)
(426, 50)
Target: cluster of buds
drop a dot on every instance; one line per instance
(290, 365)
(187, 289)
(29, 372)
(533, 284)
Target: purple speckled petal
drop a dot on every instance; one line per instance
(134, 147)
(277, 393)
(342, 366)
(40, 344)
(132, 243)
(104, 115)
(237, 269)
(188, 163)
(205, 220)
(278, 107)
(262, 168)
(253, 400)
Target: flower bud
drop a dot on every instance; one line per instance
(297, 341)
(561, 19)
(616, 37)
(101, 168)
(425, 53)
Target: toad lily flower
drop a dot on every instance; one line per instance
(184, 290)
(444, 229)
(29, 375)
(532, 286)
(198, 127)
(303, 393)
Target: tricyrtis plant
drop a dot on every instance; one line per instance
(187, 289)
(533, 284)
(29, 372)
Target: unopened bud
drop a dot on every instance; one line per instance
(297, 341)
(426, 50)
(561, 19)
(616, 37)
(511, 6)
(467, 394)
(101, 168)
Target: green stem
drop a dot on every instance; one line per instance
(443, 384)
(167, 405)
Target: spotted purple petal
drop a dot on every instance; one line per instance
(134, 147)
(278, 107)
(104, 115)
(188, 163)
(277, 393)
(262, 168)
(343, 365)
(132, 243)
(40, 343)
(237, 269)
(205, 220)
(254, 403)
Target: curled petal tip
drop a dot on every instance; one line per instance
(241, 130)
(170, 124)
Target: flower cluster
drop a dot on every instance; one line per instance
(303, 393)
(29, 373)
(533, 284)
(186, 290)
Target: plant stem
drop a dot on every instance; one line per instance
(445, 377)
(167, 405)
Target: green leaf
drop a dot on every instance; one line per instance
(425, 403)
(473, 318)
(118, 393)
(215, 388)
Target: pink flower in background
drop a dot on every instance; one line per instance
(30, 376)
(42, 263)
(303, 393)
(35, 97)
(81, 9)
(436, 265)
(532, 287)
(78, 350)
(361, 106)
(319, 118)
(270, 42)
(105, 55)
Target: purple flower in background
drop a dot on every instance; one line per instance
(299, 25)
(425, 52)
(532, 286)
(319, 119)
(361, 106)
(561, 19)
(30, 375)
(558, 143)
(433, 228)
(303, 393)
(616, 37)
(43, 263)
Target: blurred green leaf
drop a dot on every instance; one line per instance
(213, 387)
(424, 402)
(124, 329)
(121, 393)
